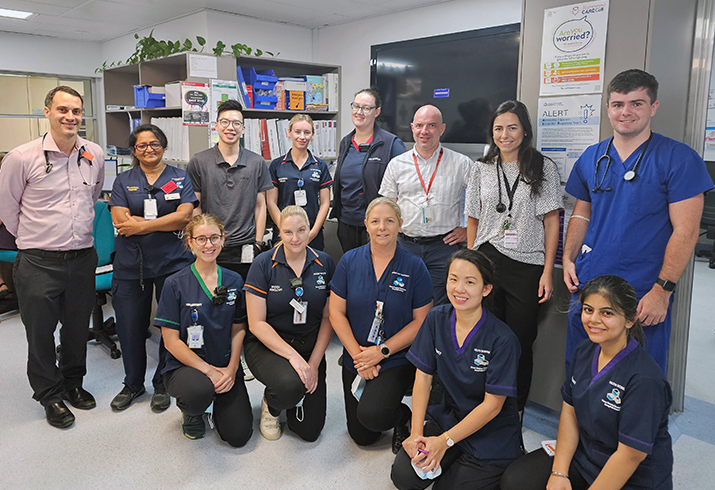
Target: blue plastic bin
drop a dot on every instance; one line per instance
(144, 98)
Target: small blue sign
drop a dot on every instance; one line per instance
(441, 93)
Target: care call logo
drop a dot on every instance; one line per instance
(573, 35)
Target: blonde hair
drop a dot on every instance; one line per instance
(198, 220)
(298, 118)
(384, 200)
(288, 212)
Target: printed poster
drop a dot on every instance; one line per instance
(194, 104)
(573, 49)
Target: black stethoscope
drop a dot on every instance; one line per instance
(628, 176)
(80, 156)
(510, 191)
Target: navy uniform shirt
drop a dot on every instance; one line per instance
(184, 293)
(285, 175)
(269, 278)
(160, 252)
(404, 286)
(626, 402)
(485, 363)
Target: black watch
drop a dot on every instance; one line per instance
(665, 284)
(261, 245)
(385, 351)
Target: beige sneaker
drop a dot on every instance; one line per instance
(270, 426)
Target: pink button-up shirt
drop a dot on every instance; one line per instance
(55, 210)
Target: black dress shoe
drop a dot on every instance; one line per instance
(125, 398)
(58, 415)
(80, 398)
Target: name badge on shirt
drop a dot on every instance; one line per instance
(300, 311)
(376, 328)
(150, 209)
(427, 214)
(172, 197)
(247, 253)
(301, 198)
(511, 238)
(195, 337)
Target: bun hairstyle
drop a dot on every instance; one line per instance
(483, 264)
(198, 220)
(384, 200)
(300, 117)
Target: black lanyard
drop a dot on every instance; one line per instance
(510, 191)
(387, 286)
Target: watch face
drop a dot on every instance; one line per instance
(385, 350)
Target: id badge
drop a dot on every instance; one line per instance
(301, 198)
(358, 387)
(247, 253)
(172, 197)
(300, 311)
(150, 210)
(195, 337)
(511, 238)
(427, 215)
(376, 324)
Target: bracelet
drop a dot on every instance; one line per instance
(579, 216)
(556, 473)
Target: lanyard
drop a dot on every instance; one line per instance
(387, 285)
(510, 191)
(419, 174)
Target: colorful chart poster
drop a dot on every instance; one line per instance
(221, 91)
(195, 104)
(573, 49)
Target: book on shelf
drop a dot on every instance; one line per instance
(178, 136)
(269, 138)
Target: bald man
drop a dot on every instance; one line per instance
(428, 184)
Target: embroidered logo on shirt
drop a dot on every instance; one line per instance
(320, 281)
(231, 297)
(613, 399)
(481, 363)
(398, 284)
(315, 176)
(480, 360)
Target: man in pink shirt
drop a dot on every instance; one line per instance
(48, 188)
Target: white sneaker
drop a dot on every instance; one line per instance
(247, 374)
(270, 426)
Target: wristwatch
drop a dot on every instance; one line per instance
(450, 441)
(384, 350)
(665, 284)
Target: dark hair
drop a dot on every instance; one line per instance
(62, 88)
(483, 264)
(530, 160)
(371, 92)
(630, 80)
(229, 105)
(622, 297)
(140, 129)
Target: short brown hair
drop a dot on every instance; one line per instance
(61, 88)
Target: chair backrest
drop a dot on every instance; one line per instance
(103, 233)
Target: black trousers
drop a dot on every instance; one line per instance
(515, 301)
(230, 258)
(194, 392)
(284, 388)
(351, 237)
(532, 472)
(380, 407)
(55, 287)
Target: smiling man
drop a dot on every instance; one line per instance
(637, 215)
(48, 188)
(428, 184)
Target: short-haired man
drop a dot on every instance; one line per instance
(637, 215)
(231, 183)
(48, 188)
(428, 184)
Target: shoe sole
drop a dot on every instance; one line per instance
(271, 437)
(193, 438)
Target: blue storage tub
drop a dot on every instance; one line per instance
(144, 98)
(260, 79)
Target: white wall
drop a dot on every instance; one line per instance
(348, 45)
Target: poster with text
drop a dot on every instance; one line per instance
(573, 49)
(566, 127)
(195, 104)
(221, 91)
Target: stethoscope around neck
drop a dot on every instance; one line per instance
(80, 156)
(628, 176)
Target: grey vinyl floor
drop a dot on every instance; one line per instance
(140, 449)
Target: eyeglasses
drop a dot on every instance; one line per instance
(201, 240)
(155, 145)
(365, 109)
(235, 123)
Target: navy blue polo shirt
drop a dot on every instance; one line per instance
(485, 363)
(626, 402)
(160, 252)
(269, 278)
(185, 292)
(352, 193)
(403, 287)
(285, 175)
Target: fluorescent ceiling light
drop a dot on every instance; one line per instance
(15, 14)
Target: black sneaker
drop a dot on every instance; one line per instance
(125, 398)
(160, 400)
(401, 432)
(193, 426)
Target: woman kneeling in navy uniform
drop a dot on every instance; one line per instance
(203, 323)
(613, 431)
(468, 438)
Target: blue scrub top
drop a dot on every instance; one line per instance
(352, 194)
(485, 363)
(630, 225)
(269, 278)
(185, 292)
(161, 252)
(285, 175)
(404, 286)
(627, 402)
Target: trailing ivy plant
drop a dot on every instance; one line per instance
(149, 48)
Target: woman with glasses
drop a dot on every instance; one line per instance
(301, 179)
(287, 304)
(203, 323)
(151, 203)
(362, 159)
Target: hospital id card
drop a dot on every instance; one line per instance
(150, 209)
(195, 337)
(247, 253)
(301, 198)
(427, 215)
(300, 311)
(511, 238)
(374, 336)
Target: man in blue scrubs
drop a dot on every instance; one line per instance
(637, 215)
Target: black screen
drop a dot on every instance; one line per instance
(479, 69)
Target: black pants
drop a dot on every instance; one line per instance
(380, 407)
(194, 392)
(532, 472)
(284, 388)
(460, 471)
(230, 258)
(52, 287)
(515, 301)
(351, 237)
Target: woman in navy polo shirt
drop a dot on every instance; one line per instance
(203, 324)
(381, 295)
(290, 329)
(151, 204)
(299, 178)
(472, 434)
(613, 431)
